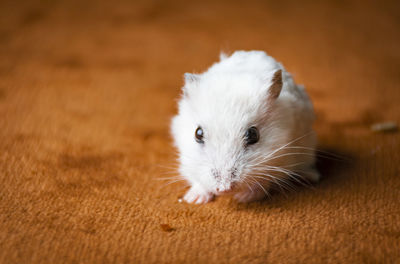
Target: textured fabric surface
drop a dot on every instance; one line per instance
(87, 90)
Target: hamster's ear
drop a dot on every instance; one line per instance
(191, 80)
(276, 85)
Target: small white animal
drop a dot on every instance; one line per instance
(242, 126)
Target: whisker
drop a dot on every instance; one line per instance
(172, 182)
(274, 180)
(288, 154)
(168, 178)
(265, 191)
(287, 144)
(285, 184)
(251, 189)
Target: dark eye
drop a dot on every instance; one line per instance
(252, 136)
(199, 134)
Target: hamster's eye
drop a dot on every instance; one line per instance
(252, 136)
(199, 134)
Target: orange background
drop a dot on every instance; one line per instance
(87, 90)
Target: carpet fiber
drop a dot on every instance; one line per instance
(87, 91)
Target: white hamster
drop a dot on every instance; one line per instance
(241, 126)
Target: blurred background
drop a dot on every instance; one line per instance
(136, 48)
(87, 90)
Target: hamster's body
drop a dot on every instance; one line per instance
(242, 125)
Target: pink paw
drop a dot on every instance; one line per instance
(248, 196)
(198, 196)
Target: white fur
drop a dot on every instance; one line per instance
(227, 99)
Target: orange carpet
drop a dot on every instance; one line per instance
(87, 91)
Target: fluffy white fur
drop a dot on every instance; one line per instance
(230, 97)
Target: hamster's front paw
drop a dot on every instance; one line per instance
(248, 196)
(197, 195)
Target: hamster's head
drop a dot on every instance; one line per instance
(224, 125)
